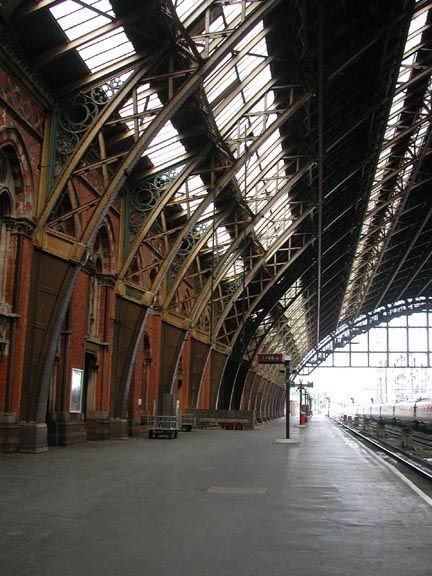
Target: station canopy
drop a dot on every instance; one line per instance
(275, 155)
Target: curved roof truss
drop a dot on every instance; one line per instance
(273, 157)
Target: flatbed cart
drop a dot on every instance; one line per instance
(188, 422)
(163, 426)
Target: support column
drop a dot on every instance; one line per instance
(98, 421)
(9, 433)
(33, 437)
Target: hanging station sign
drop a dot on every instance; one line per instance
(270, 358)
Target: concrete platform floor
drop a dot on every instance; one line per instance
(217, 503)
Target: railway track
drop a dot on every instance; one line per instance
(416, 437)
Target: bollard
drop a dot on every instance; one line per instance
(406, 438)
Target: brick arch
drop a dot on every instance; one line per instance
(6, 210)
(15, 150)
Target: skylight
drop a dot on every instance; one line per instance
(81, 17)
(190, 194)
(244, 107)
(184, 8)
(239, 91)
(356, 290)
(166, 147)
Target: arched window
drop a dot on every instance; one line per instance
(15, 206)
(6, 211)
(94, 299)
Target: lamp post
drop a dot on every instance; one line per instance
(301, 403)
(287, 361)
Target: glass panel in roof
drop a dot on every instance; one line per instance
(231, 11)
(87, 7)
(258, 83)
(185, 7)
(166, 147)
(107, 49)
(211, 80)
(379, 184)
(236, 270)
(250, 36)
(139, 112)
(79, 18)
(77, 29)
(273, 225)
(234, 64)
(215, 27)
(146, 105)
(255, 120)
(228, 78)
(229, 111)
(190, 195)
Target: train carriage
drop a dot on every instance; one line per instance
(414, 413)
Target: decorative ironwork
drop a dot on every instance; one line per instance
(103, 94)
(144, 197)
(233, 285)
(189, 242)
(379, 318)
(74, 119)
(76, 116)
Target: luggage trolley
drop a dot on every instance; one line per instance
(163, 426)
